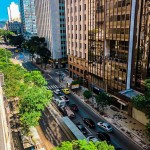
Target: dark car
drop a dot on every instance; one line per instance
(81, 128)
(103, 136)
(89, 122)
(73, 107)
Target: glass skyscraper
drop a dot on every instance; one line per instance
(28, 18)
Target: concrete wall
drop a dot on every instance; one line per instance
(139, 116)
(5, 143)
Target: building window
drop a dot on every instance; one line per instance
(84, 6)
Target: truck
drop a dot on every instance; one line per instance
(59, 102)
(67, 111)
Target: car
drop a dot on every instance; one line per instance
(65, 98)
(66, 91)
(106, 126)
(73, 107)
(89, 122)
(67, 111)
(81, 128)
(59, 102)
(57, 91)
(92, 138)
(103, 136)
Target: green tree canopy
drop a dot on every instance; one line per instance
(28, 87)
(87, 94)
(142, 102)
(84, 145)
(103, 100)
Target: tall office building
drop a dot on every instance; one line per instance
(114, 37)
(77, 37)
(51, 25)
(28, 18)
(13, 12)
(119, 44)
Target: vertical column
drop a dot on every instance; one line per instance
(131, 40)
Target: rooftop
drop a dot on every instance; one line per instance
(129, 93)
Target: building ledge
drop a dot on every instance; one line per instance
(130, 93)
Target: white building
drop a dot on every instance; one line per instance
(51, 26)
(13, 12)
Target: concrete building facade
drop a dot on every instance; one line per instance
(13, 12)
(51, 26)
(77, 37)
(116, 33)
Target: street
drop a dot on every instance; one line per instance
(117, 138)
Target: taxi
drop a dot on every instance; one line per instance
(66, 91)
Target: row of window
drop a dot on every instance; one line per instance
(75, 18)
(76, 36)
(77, 69)
(76, 27)
(76, 8)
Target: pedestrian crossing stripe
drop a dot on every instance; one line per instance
(54, 87)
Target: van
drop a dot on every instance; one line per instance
(59, 102)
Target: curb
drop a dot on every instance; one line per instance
(107, 121)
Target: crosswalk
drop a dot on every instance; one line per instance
(52, 87)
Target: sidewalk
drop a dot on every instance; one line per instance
(124, 123)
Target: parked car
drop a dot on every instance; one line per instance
(103, 136)
(81, 128)
(67, 111)
(89, 122)
(73, 107)
(66, 91)
(57, 91)
(106, 126)
(92, 138)
(65, 98)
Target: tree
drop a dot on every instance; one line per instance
(84, 145)
(5, 54)
(28, 87)
(103, 100)
(87, 94)
(17, 40)
(45, 55)
(32, 104)
(142, 102)
(33, 45)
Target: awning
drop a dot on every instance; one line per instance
(51, 60)
(122, 103)
(65, 61)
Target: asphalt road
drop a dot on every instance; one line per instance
(118, 139)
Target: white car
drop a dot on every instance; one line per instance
(57, 91)
(65, 98)
(106, 126)
(92, 138)
(59, 102)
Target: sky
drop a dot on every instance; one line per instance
(3, 8)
